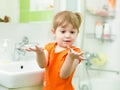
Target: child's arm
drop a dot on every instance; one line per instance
(72, 60)
(41, 55)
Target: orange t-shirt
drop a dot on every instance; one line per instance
(52, 80)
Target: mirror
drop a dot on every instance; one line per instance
(25, 11)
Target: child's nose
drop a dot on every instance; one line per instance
(67, 34)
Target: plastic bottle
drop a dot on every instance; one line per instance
(99, 29)
(5, 55)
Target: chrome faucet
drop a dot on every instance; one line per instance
(19, 52)
(89, 57)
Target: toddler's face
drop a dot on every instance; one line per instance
(65, 36)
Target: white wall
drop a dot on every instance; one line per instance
(14, 32)
(109, 48)
(38, 32)
(10, 8)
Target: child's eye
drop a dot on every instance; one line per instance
(72, 32)
(62, 31)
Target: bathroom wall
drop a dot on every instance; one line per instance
(8, 8)
(109, 48)
(38, 32)
(14, 32)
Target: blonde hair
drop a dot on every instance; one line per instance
(67, 17)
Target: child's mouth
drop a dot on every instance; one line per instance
(67, 41)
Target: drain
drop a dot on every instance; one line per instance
(84, 87)
(21, 67)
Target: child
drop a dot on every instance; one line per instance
(60, 58)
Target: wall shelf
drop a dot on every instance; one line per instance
(102, 14)
(102, 39)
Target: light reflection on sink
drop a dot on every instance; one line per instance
(20, 74)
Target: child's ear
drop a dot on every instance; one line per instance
(53, 31)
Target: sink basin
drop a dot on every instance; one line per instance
(20, 74)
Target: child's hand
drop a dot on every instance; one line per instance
(36, 49)
(76, 55)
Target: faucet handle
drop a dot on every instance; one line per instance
(87, 55)
(25, 40)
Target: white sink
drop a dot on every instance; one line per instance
(20, 74)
